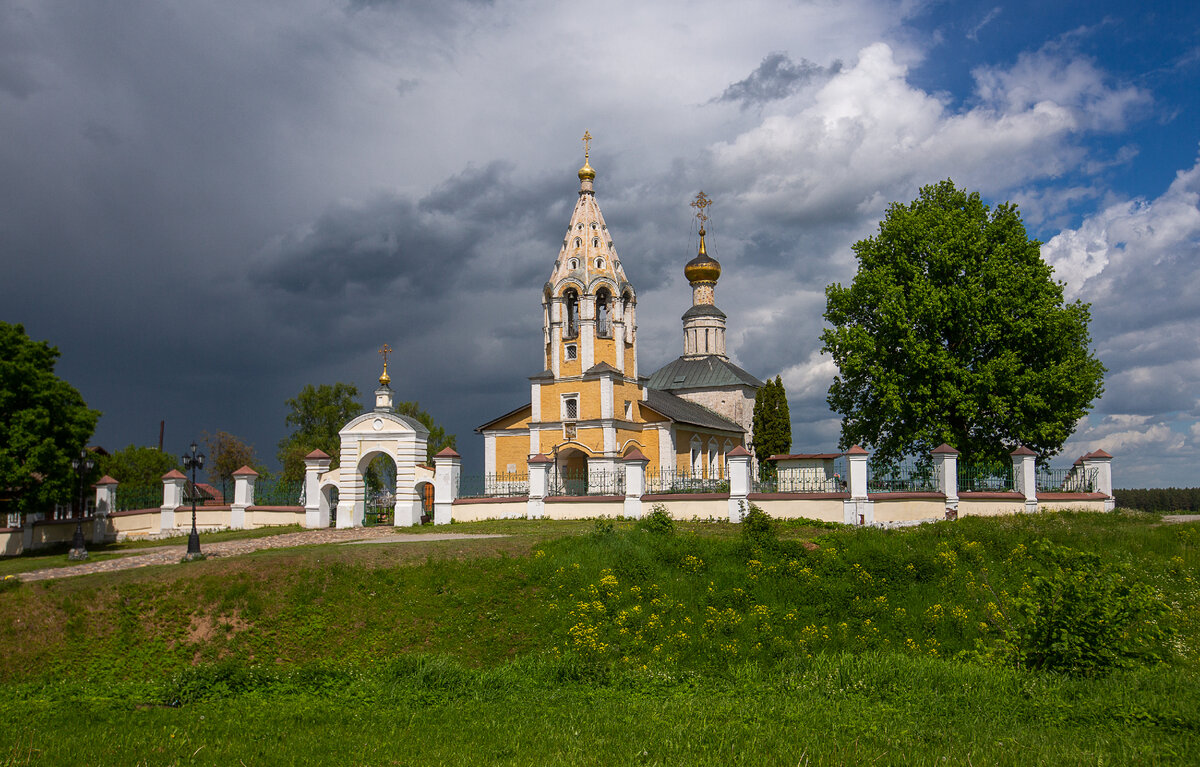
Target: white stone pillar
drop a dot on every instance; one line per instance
(945, 459)
(173, 482)
(858, 509)
(407, 509)
(316, 514)
(447, 471)
(738, 464)
(539, 485)
(1101, 461)
(243, 496)
(1025, 476)
(106, 500)
(635, 482)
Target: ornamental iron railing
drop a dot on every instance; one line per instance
(985, 478)
(587, 483)
(278, 492)
(502, 485)
(904, 477)
(804, 482)
(666, 481)
(829, 477)
(378, 509)
(1073, 480)
(134, 497)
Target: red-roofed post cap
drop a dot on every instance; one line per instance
(448, 452)
(541, 458)
(636, 455)
(1022, 450)
(245, 471)
(856, 450)
(106, 480)
(174, 474)
(738, 452)
(316, 455)
(944, 449)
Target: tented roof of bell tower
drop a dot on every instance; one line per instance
(587, 252)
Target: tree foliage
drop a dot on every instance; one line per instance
(1159, 498)
(316, 414)
(44, 423)
(135, 465)
(771, 421)
(226, 454)
(439, 440)
(954, 330)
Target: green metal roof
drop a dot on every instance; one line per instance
(701, 373)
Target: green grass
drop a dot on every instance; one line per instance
(495, 651)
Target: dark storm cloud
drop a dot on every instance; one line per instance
(473, 222)
(775, 78)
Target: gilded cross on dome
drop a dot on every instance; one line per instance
(587, 144)
(384, 351)
(700, 203)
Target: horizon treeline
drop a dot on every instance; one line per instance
(1159, 498)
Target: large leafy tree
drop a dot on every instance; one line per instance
(439, 440)
(955, 330)
(44, 423)
(772, 423)
(226, 454)
(316, 415)
(135, 465)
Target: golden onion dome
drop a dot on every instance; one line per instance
(702, 268)
(587, 173)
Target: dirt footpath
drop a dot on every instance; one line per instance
(166, 555)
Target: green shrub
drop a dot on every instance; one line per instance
(1077, 615)
(603, 527)
(658, 521)
(758, 529)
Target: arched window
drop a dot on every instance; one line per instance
(578, 242)
(603, 313)
(571, 297)
(595, 242)
(697, 457)
(573, 264)
(714, 460)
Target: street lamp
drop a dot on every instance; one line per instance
(193, 461)
(83, 466)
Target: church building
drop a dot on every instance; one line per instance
(589, 407)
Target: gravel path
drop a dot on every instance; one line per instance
(166, 555)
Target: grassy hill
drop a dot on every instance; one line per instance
(1059, 638)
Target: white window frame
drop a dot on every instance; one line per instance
(565, 414)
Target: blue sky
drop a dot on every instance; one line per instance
(210, 204)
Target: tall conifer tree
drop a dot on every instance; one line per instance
(772, 423)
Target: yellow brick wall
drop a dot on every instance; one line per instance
(512, 449)
(605, 350)
(519, 420)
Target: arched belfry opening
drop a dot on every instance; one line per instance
(604, 313)
(571, 309)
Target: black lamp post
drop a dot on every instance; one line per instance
(193, 461)
(83, 466)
